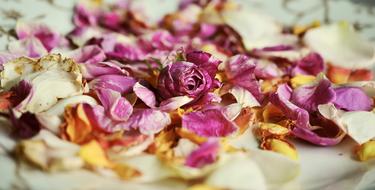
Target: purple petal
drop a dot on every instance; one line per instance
(24, 93)
(240, 71)
(204, 60)
(26, 126)
(312, 64)
(208, 123)
(118, 107)
(310, 97)
(89, 54)
(206, 154)
(324, 132)
(352, 99)
(119, 83)
(327, 133)
(148, 121)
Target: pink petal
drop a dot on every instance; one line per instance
(91, 71)
(118, 107)
(174, 103)
(281, 99)
(312, 64)
(310, 97)
(352, 99)
(206, 154)
(119, 83)
(148, 121)
(205, 61)
(208, 123)
(240, 71)
(146, 95)
(88, 54)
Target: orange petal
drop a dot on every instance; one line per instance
(77, 127)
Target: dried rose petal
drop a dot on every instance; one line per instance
(206, 154)
(208, 123)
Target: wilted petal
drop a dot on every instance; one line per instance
(119, 83)
(240, 71)
(145, 94)
(352, 99)
(312, 64)
(208, 123)
(148, 121)
(341, 46)
(310, 97)
(206, 154)
(51, 77)
(88, 54)
(117, 106)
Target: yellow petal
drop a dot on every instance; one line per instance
(93, 154)
(300, 80)
(298, 29)
(126, 172)
(366, 151)
(280, 146)
(202, 187)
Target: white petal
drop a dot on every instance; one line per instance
(340, 45)
(244, 97)
(238, 172)
(359, 125)
(257, 30)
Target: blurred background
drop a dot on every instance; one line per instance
(57, 13)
